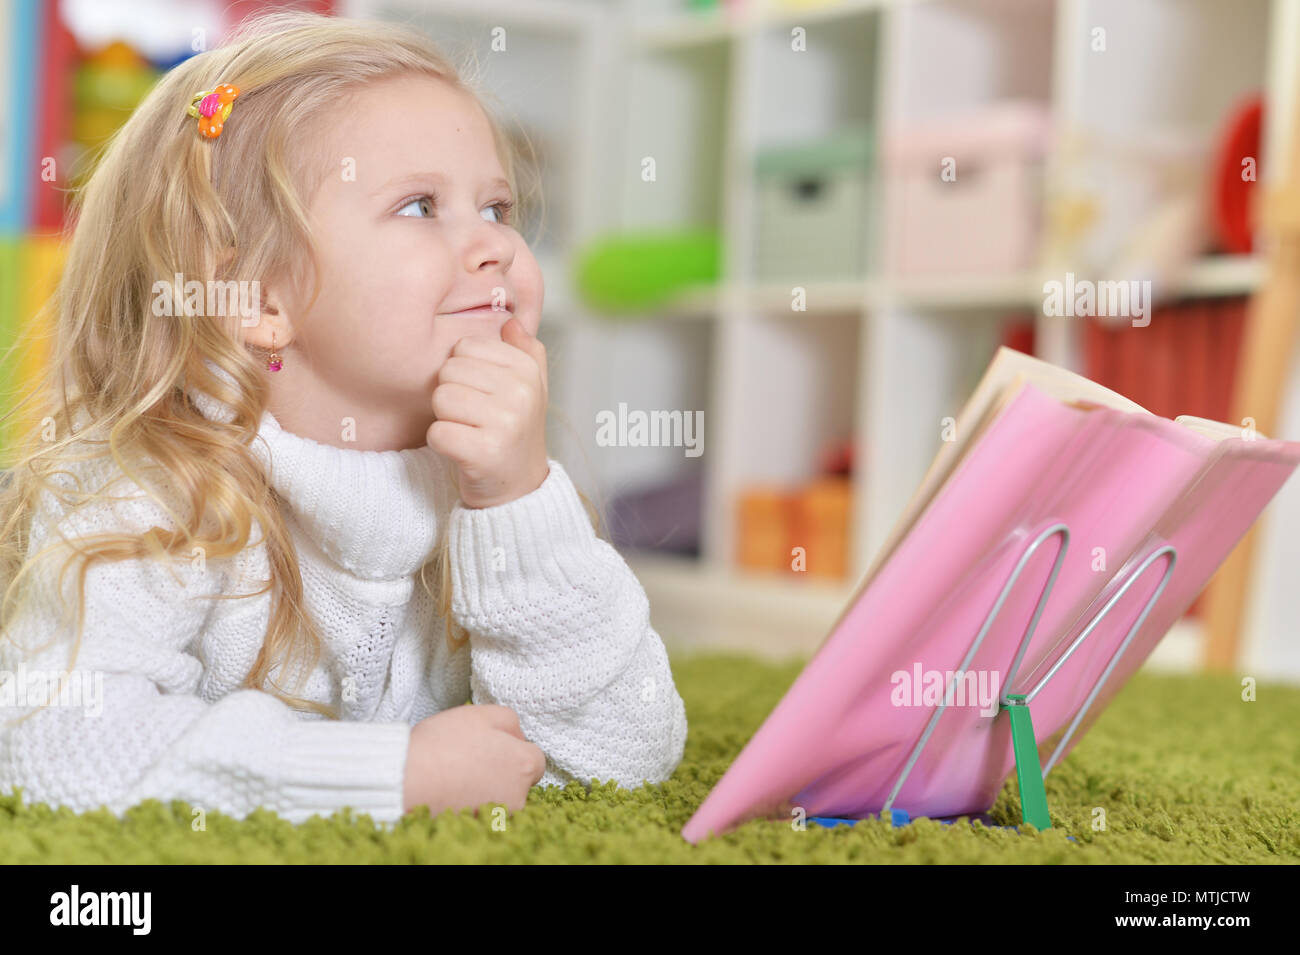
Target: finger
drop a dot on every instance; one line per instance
(512, 727)
(453, 401)
(455, 440)
(504, 718)
(493, 350)
(487, 377)
(516, 349)
(525, 360)
(515, 334)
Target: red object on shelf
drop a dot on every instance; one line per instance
(1162, 359)
(1197, 365)
(1231, 204)
(1232, 327)
(837, 458)
(1129, 379)
(1018, 333)
(1182, 363)
(1215, 391)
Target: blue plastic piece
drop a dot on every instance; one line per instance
(899, 818)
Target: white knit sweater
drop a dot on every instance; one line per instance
(559, 631)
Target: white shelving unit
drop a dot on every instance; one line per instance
(882, 360)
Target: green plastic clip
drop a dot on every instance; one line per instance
(1029, 772)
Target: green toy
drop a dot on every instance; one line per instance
(634, 272)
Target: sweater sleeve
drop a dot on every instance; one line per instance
(559, 631)
(130, 726)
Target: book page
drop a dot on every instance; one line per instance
(1215, 430)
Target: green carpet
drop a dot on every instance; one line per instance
(1186, 771)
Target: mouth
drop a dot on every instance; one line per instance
(483, 310)
(506, 306)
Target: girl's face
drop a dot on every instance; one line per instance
(413, 227)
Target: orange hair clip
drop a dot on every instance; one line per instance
(211, 109)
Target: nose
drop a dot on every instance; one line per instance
(488, 245)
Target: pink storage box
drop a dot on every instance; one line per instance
(988, 218)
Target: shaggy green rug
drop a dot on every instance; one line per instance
(1186, 771)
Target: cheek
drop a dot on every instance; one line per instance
(397, 285)
(529, 290)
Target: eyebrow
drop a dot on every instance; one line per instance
(437, 177)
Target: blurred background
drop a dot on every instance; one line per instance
(782, 241)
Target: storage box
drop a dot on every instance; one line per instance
(816, 516)
(664, 517)
(985, 215)
(763, 528)
(812, 208)
(821, 522)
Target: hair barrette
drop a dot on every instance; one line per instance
(211, 108)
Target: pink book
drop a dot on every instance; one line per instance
(1102, 506)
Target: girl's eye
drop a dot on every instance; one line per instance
(429, 203)
(429, 200)
(505, 206)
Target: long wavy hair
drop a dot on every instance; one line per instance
(162, 200)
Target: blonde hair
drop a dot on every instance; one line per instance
(163, 200)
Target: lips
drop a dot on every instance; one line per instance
(483, 310)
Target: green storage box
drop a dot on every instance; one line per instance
(813, 208)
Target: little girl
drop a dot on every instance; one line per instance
(300, 533)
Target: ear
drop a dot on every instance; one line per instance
(269, 325)
(260, 313)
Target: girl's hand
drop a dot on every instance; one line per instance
(490, 399)
(469, 755)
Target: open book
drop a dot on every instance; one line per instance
(1046, 551)
(1006, 373)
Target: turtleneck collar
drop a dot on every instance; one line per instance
(377, 514)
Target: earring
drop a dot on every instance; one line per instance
(274, 363)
